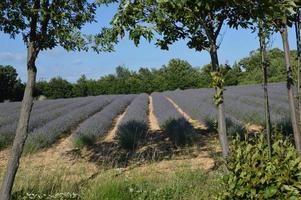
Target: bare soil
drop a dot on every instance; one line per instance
(58, 158)
(112, 133)
(153, 122)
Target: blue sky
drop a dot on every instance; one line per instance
(235, 45)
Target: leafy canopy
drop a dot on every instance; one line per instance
(199, 22)
(47, 23)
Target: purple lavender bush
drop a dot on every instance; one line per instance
(163, 109)
(101, 122)
(39, 119)
(49, 133)
(176, 127)
(134, 125)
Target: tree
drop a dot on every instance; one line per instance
(9, 84)
(43, 24)
(298, 39)
(58, 88)
(198, 22)
(80, 89)
(263, 34)
(179, 74)
(276, 15)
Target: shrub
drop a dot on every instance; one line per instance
(84, 141)
(131, 133)
(179, 131)
(5, 140)
(252, 175)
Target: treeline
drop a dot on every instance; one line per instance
(177, 74)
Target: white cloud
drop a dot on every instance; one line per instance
(11, 57)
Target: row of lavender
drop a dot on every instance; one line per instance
(100, 123)
(49, 118)
(243, 103)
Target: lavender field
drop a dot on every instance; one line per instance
(94, 116)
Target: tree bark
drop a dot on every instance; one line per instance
(264, 61)
(222, 130)
(292, 107)
(22, 128)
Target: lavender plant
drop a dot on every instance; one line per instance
(101, 122)
(134, 124)
(52, 112)
(243, 103)
(163, 109)
(10, 115)
(49, 133)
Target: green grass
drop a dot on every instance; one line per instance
(150, 182)
(188, 184)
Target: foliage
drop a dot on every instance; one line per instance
(276, 70)
(252, 175)
(80, 89)
(179, 131)
(11, 88)
(47, 23)
(58, 88)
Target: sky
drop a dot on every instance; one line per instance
(235, 45)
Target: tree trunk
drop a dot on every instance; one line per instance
(298, 38)
(21, 132)
(222, 131)
(293, 111)
(264, 61)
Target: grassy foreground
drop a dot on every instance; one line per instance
(180, 184)
(169, 179)
(164, 180)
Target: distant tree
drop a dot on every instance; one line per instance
(80, 88)
(18, 91)
(41, 88)
(8, 82)
(146, 80)
(58, 88)
(276, 71)
(179, 74)
(43, 24)
(232, 75)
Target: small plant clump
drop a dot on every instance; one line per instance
(252, 175)
(131, 133)
(179, 131)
